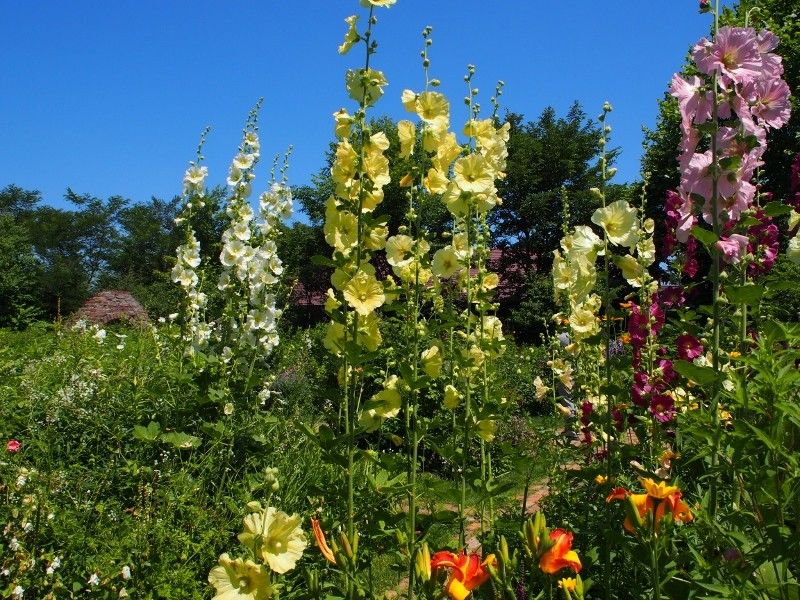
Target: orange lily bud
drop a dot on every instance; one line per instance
(322, 543)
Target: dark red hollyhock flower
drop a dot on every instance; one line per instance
(689, 347)
(662, 407)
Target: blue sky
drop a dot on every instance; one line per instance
(109, 98)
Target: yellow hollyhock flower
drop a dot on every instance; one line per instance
(435, 181)
(408, 137)
(383, 405)
(409, 100)
(432, 361)
(236, 579)
(375, 238)
(447, 150)
(471, 174)
(273, 536)
(541, 389)
(620, 221)
(345, 162)
(369, 333)
(485, 429)
(364, 293)
(379, 3)
(399, 250)
(331, 302)
(582, 242)
(365, 86)
(445, 263)
(583, 321)
(433, 109)
(632, 271)
(343, 122)
(351, 37)
(457, 202)
(334, 337)
(564, 276)
(451, 397)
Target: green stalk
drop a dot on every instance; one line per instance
(715, 277)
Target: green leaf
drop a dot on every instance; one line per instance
(702, 375)
(181, 440)
(745, 294)
(322, 261)
(704, 236)
(777, 209)
(147, 434)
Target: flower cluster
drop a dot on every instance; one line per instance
(275, 539)
(739, 80)
(661, 503)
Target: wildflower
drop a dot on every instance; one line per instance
(568, 584)
(273, 536)
(14, 544)
(560, 555)
(322, 543)
(600, 479)
(18, 592)
(93, 580)
(235, 579)
(467, 572)
(126, 572)
(13, 446)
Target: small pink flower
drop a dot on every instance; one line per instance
(13, 446)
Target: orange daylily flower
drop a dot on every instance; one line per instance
(665, 499)
(467, 571)
(625, 338)
(322, 544)
(560, 555)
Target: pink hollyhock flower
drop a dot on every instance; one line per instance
(657, 317)
(732, 248)
(662, 407)
(770, 101)
(733, 54)
(619, 419)
(694, 100)
(13, 446)
(689, 347)
(697, 178)
(771, 64)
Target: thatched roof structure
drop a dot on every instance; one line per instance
(109, 306)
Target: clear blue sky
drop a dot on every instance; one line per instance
(110, 97)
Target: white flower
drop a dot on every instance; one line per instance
(94, 580)
(21, 481)
(126, 572)
(172, 316)
(100, 335)
(14, 544)
(18, 592)
(243, 161)
(27, 527)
